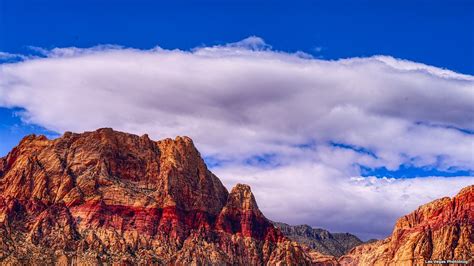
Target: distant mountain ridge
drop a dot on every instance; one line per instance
(335, 244)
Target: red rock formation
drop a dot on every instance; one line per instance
(439, 230)
(112, 197)
(115, 198)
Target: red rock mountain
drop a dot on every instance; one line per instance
(107, 197)
(441, 230)
(111, 197)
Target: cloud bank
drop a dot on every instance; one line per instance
(294, 127)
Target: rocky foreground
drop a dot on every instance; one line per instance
(107, 197)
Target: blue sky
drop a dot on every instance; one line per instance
(432, 32)
(12, 129)
(372, 97)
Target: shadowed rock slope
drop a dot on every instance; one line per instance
(439, 230)
(335, 244)
(107, 197)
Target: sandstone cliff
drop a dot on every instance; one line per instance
(116, 198)
(439, 230)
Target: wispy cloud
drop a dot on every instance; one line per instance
(243, 101)
(318, 49)
(9, 57)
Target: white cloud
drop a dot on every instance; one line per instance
(244, 99)
(250, 43)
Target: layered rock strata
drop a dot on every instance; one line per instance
(441, 230)
(111, 197)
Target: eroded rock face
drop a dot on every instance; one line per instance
(112, 197)
(439, 230)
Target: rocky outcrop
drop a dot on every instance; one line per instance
(335, 244)
(116, 198)
(441, 230)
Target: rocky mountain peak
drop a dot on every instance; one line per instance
(92, 165)
(107, 196)
(241, 215)
(439, 230)
(241, 197)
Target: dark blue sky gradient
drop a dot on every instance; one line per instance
(438, 33)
